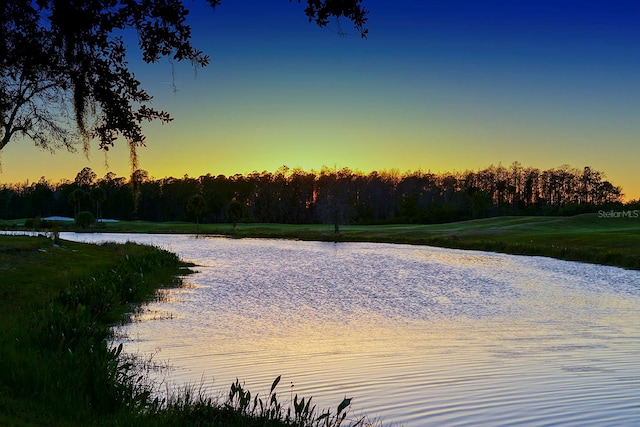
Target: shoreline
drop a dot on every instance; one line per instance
(583, 238)
(59, 304)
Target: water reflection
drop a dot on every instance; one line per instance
(420, 336)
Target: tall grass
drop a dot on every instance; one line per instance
(193, 407)
(59, 356)
(58, 368)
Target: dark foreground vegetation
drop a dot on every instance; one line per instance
(57, 368)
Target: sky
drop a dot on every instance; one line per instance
(437, 86)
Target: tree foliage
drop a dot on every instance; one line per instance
(329, 196)
(234, 212)
(84, 219)
(98, 196)
(64, 75)
(197, 205)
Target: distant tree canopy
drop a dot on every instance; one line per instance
(64, 77)
(330, 196)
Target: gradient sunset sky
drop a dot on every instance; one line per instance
(438, 86)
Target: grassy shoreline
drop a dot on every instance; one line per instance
(58, 302)
(585, 238)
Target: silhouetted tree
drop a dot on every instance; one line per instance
(480, 205)
(334, 196)
(175, 194)
(98, 196)
(138, 177)
(40, 198)
(234, 212)
(217, 191)
(85, 178)
(65, 62)
(197, 205)
(119, 202)
(84, 219)
(76, 198)
(300, 190)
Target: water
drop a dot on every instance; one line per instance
(419, 336)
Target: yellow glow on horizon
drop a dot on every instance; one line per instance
(266, 147)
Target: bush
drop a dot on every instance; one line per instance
(37, 223)
(85, 219)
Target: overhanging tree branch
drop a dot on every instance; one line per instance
(76, 49)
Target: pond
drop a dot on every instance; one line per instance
(417, 335)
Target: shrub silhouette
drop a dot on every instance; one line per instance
(85, 219)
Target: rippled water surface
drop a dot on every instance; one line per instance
(418, 336)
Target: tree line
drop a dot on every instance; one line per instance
(333, 196)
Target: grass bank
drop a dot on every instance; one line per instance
(586, 238)
(57, 304)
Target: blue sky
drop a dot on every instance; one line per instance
(438, 85)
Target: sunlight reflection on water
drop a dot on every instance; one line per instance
(417, 335)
